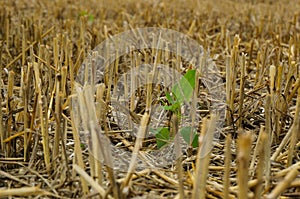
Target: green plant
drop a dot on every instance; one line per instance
(85, 13)
(181, 92)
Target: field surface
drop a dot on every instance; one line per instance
(150, 99)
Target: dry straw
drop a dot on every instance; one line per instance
(41, 137)
(228, 158)
(244, 148)
(203, 157)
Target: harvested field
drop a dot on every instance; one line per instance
(150, 99)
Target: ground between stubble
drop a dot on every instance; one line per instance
(255, 45)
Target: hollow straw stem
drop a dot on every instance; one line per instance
(138, 144)
(243, 156)
(57, 113)
(228, 90)
(174, 131)
(2, 137)
(260, 169)
(256, 150)
(242, 90)
(226, 178)
(287, 137)
(268, 130)
(275, 120)
(203, 157)
(284, 184)
(8, 66)
(295, 131)
(78, 152)
(99, 144)
(90, 180)
(45, 136)
(25, 191)
(9, 109)
(230, 80)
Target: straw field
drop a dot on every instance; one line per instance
(51, 148)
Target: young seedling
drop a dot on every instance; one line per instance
(89, 16)
(181, 92)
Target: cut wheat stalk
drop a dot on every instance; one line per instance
(243, 156)
(25, 191)
(2, 136)
(64, 73)
(57, 135)
(96, 152)
(268, 130)
(174, 133)
(7, 25)
(232, 78)
(11, 177)
(100, 146)
(227, 169)
(100, 107)
(285, 171)
(260, 168)
(294, 132)
(294, 90)
(203, 157)
(242, 90)
(9, 110)
(26, 117)
(10, 64)
(133, 81)
(256, 150)
(44, 131)
(287, 137)
(272, 75)
(268, 39)
(23, 93)
(78, 152)
(90, 180)
(285, 183)
(257, 66)
(228, 91)
(138, 144)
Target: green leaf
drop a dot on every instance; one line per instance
(83, 13)
(91, 17)
(170, 98)
(190, 76)
(183, 90)
(168, 108)
(195, 142)
(162, 136)
(187, 133)
(174, 107)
